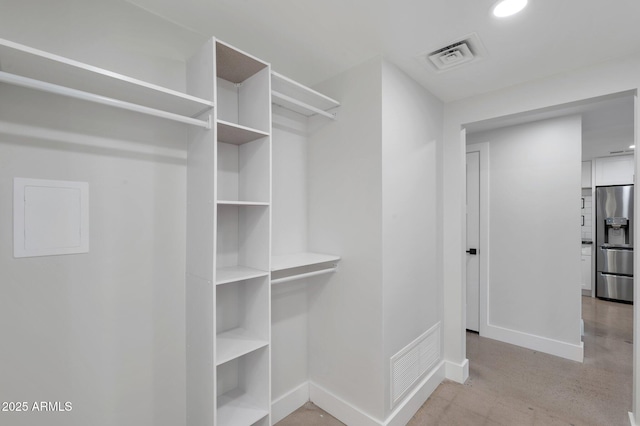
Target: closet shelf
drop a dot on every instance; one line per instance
(297, 266)
(242, 203)
(26, 66)
(296, 97)
(236, 134)
(236, 408)
(235, 343)
(232, 274)
(299, 260)
(30, 83)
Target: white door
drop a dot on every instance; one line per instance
(473, 241)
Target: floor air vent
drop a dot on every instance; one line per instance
(462, 51)
(412, 362)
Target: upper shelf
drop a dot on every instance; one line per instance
(235, 66)
(298, 260)
(236, 134)
(299, 98)
(31, 65)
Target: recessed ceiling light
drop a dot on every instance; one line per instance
(632, 146)
(505, 8)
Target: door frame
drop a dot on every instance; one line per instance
(483, 247)
(453, 235)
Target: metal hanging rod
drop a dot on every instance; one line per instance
(43, 86)
(279, 96)
(300, 276)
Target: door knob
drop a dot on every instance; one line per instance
(472, 251)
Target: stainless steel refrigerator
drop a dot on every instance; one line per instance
(614, 243)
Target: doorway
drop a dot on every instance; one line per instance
(580, 108)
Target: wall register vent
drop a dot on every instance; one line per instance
(413, 362)
(456, 53)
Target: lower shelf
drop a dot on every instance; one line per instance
(285, 268)
(235, 343)
(237, 273)
(236, 408)
(296, 260)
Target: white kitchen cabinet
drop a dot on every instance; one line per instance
(586, 267)
(586, 174)
(618, 170)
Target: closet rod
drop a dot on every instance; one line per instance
(278, 95)
(307, 275)
(30, 83)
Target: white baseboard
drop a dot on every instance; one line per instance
(351, 415)
(339, 408)
(289, 402)
(632, 419)
(536, 343)
(457, 372)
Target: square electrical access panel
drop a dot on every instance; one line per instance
(50, 217)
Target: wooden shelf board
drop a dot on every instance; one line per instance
(236, 343)
(235, 66)
(236, 408)
(236, 134)
(297, 260)
(242, 203)
(293, 89)
(232, 274)
(43, 66)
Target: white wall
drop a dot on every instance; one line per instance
(533, 285)
(103, 330)
(114, 35)
(599, 80)
(412, 122)
(289, 308)
(345, 216)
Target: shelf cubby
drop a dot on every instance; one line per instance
(243, 389)
(243, 89)
(241, 309)
(244, 172)
(242, 248)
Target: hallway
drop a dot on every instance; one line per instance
(513, 386)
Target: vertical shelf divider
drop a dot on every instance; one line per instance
(200, 295)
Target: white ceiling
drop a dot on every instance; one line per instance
(311, 41)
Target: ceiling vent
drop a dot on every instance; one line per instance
(462, 51)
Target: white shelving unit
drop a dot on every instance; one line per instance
(296, 97)
(228, 243)
(227, 106)
(35, 69)
(243, 238)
